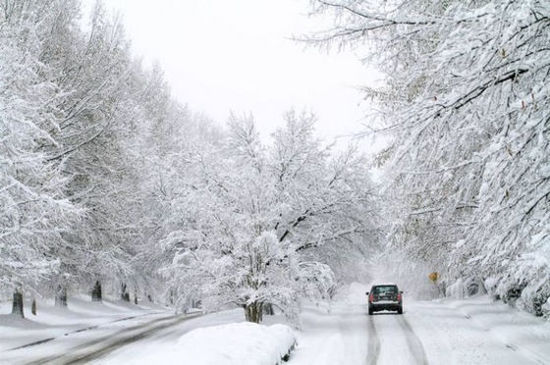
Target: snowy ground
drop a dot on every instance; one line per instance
(472, 331)
(230, 344)
(53, 330)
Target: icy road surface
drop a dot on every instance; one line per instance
(474, 331)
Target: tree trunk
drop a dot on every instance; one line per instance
(17, 308)
(268, 309)
(253, 312)
(61, 296)
(124, 295)
(96, 292)
(33, 307)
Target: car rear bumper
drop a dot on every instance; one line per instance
(385, 305)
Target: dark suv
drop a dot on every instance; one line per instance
(385, 297)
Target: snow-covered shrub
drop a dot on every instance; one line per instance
(490, 285)
(528, 282)
(317, 279)
(536, 293)
(456, 290)
(546, 309)
(463, 288)
(473, 286)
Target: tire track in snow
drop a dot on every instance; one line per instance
(85, 358)
(414, 343)
(87, 351)
(374, 343)
(93, 327)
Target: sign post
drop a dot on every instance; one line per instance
(434, 276)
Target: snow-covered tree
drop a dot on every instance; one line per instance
(35, 213)
(249, 213)
(466, 101)
(77, 154)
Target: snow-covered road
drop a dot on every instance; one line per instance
(471, 331)
(475, 331)
(98, 347)
(116, 343)
(346, 334)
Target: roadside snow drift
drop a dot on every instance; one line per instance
(238, 344)
(229, 344)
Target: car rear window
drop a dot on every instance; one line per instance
(386, 289)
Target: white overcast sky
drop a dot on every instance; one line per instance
(223, 55)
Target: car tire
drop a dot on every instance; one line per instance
(370, 311)
(400, 310)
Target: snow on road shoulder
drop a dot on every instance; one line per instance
(479, 331)
(238, 343)
(229, 344)
(518, 330)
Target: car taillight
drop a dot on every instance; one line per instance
(371, 297)
(398, 297)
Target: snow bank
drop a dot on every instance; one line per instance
(238, 344)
